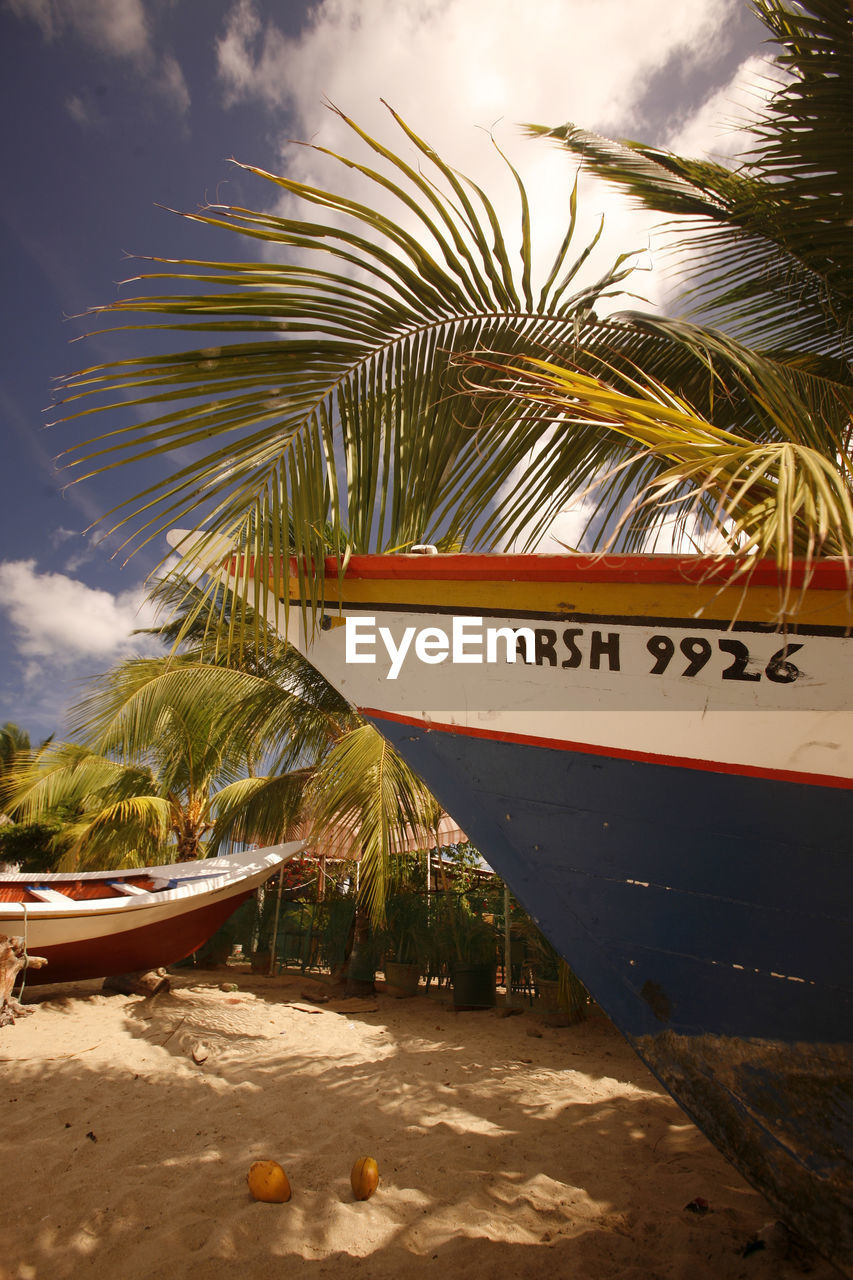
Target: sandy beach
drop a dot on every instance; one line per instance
(507, 1147)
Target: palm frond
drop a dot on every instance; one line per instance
(778, 496)
(363, 787)
(218, 716)
(132, 831)
(768, 246)
(339, 422)
(68, 775)
(264, 810)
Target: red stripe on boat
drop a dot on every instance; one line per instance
(823, 575)
(621, 753)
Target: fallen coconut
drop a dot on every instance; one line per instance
(364, 1178)
(268, 1182)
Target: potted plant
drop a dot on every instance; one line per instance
(406, 940)
(558, 989)
(473, 950)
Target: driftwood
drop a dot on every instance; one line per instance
(148, 982)
(13, 958)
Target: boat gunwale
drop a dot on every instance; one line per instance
(190, 886)
(819, 575)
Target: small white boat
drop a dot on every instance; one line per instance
(92, 924)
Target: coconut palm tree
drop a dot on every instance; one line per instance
(14, 746)
(765, 246)
(30, 846)
(330, 391)
(335, 415)
(270, 699)
(149, 783)
(766, 252)
(165, 761)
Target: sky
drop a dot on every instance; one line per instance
(119, 112)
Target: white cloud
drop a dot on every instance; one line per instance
(78, 111)
(60, 534)
(115, 26)
(118, 28)
(235, 58)
(60, 621)
(171, 83)
(455, 63)
(719, 129)
(453, 68)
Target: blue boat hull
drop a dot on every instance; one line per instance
(708, 913)
(656, 753)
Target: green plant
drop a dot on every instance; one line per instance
(405, 938)
(463, 936)
(337, 917)
(574, 999)
(548, 966)
(34, 846)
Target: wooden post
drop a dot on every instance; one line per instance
(275, 922)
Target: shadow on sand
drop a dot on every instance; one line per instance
(501, 1154)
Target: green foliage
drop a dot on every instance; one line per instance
(328, 404)
(35, 846)
(767, 252)
(462, 864)
(156, 772)
(14, 749)
(406, 935)
(767, 247)
(338, 917)
(324, 389)
(363, 788)
(460, 933)
(166, 762)
(787, 493)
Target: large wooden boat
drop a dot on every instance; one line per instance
(664, 780)
(93, 924)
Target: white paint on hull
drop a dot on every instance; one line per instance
(50, 925)
(732, 722)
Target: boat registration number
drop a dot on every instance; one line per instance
(730, 658)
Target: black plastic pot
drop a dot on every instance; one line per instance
(474, 986)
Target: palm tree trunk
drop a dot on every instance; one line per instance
(360, 957)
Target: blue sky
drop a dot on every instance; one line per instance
(112, 108)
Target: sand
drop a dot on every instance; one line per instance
(506, 1147)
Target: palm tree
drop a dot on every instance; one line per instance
(151, 777)
(164, 764)
(269, 699)
(341, 409)
(767, 252)
(14, 746)
(31, 846)
(767, 246)
(337, 416)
